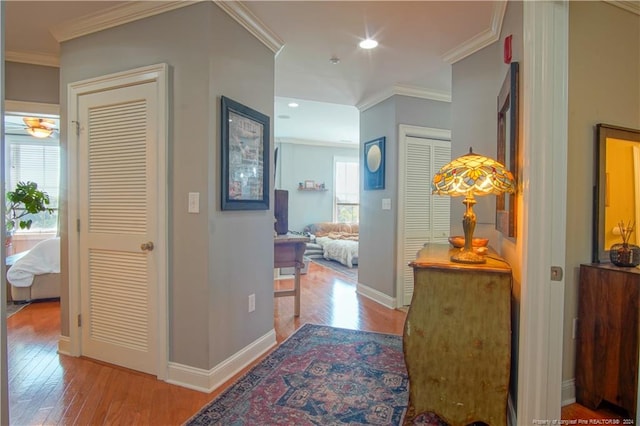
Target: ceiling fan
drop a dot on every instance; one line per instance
(40, 127)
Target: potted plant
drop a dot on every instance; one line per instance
(25, 199)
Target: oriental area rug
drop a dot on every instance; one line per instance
(320, 375)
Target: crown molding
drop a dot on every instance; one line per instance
(422, 93)
(242, 15)
(404, 90)
(35, 58)
(296, 141)
(133, 11)
(112, 17)
(632, 6)
(481, 40)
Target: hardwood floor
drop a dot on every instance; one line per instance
(47, 388)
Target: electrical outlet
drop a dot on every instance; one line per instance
(252, 302)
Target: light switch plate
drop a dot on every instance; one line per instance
(194, 202)
(386, 204)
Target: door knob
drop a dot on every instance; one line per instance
(148, 246)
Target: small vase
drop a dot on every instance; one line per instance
(625, 254)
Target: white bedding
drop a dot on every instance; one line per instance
(43, 258)
(343, 251)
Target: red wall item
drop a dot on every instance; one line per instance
(507, 49)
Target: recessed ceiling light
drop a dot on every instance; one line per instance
(293, 105)
(368, 43)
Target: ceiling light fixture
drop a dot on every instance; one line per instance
(293, 105)
(368, 43)
(39, 127)
(334, 60)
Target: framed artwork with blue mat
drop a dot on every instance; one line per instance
(374, 154)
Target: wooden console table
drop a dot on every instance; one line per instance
(457, 338)
(288, 251)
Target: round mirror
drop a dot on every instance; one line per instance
(374, 158)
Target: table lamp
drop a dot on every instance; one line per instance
(471, 175)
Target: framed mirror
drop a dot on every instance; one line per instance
(507, 152)
(616, 191)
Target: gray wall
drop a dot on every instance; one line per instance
(300, 162)
(604, 87)
(476, 82)
(209, 55)
(377, 250)
(32, 83)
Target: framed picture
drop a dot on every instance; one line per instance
(508, 148)
(309, 184)
(245, 157)
(374, 164)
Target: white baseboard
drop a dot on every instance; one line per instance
(568, 392)
(376, 296)
(208, 380)
(64, 345)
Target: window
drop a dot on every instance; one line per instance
(36, 160)
(347, 195)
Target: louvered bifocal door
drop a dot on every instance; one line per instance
(117, 223)
(425, 217)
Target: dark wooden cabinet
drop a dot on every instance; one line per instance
(607, 336)
(457, 339)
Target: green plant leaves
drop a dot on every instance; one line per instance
(25, 199)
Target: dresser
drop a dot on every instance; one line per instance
(457, 338)
(607, 336)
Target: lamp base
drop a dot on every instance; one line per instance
(465, 256)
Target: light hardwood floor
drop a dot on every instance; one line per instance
(47, 388)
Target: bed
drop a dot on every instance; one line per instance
(35, 274)
(333, 241)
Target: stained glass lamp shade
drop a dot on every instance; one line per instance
(471, 175)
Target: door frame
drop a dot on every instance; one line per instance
(405, 131)
(10, 106)
(154, 73)
(545, 123)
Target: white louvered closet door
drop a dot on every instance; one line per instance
(117, 199)
(423, 217)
